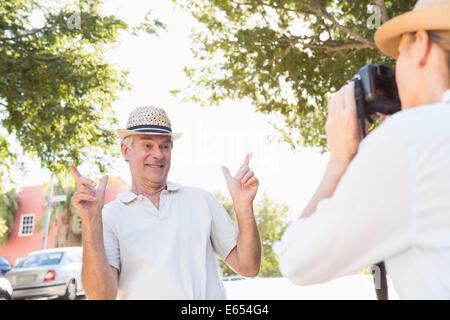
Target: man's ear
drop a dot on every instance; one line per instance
(124, 148)
(422, 48)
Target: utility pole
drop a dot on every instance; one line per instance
(48, 206)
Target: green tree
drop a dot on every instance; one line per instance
(284, 56)
(56, 87)
(9, 205)
(271, 219)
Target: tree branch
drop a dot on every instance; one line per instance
(319, 11)
(23, 35)
(329, 46)
(322, 12)
(346, 46)
(268, 64)
(265, 4)
(27, 53)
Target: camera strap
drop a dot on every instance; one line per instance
(379, 270)
(359, 96)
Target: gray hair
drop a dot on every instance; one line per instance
(128, 141)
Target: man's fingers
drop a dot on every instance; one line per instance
(85, 181)
(252, 180)
(244, 167)
(76, 174)
(247, 158)
(79, 178)
(88, 196)
(76, 199)
(247, 176)
(102, 184)
(227, 174)
(86, 189)
(242, 171)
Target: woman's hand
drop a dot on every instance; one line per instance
(342, 125)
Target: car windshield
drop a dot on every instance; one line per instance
(3, 260)
(41, 259)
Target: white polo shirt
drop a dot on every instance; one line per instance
(168, 253)
(392, 204)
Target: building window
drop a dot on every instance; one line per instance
(26, 224)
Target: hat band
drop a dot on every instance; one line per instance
(151, 129)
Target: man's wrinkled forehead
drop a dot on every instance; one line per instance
(155, 138)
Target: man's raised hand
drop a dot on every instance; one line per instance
(244, 185)
(87, 200)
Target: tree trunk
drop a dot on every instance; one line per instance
(64, 236)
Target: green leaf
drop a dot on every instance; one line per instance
(284, 56)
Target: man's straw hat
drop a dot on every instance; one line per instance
(148, 120)
(426, 15)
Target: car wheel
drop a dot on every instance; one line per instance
(71, 291)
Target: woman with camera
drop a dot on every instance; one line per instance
(387, 197)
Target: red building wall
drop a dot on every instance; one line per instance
(32, 200)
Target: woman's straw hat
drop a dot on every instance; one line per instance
(426, 15)
(148, 120)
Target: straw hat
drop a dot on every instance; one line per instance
(426, 15)
(148, 120)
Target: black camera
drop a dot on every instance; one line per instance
(375, 92)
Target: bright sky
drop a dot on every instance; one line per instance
(212, 136)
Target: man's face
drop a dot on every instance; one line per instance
(149, 157)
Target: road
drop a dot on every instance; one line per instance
(355, 287)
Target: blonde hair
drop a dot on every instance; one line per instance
(440, 38)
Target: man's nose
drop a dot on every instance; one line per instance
(157, 154)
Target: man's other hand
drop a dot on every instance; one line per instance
(244, 185)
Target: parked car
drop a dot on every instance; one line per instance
(46, 273)
(5, 265)
(6, 291)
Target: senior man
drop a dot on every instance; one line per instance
(159, 239)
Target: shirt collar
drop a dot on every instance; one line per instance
(174, 186)
(128, 196)
(446, 97)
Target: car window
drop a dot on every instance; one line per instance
(3, 260)
(41, 259)
(80, 255)
(72, 257)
